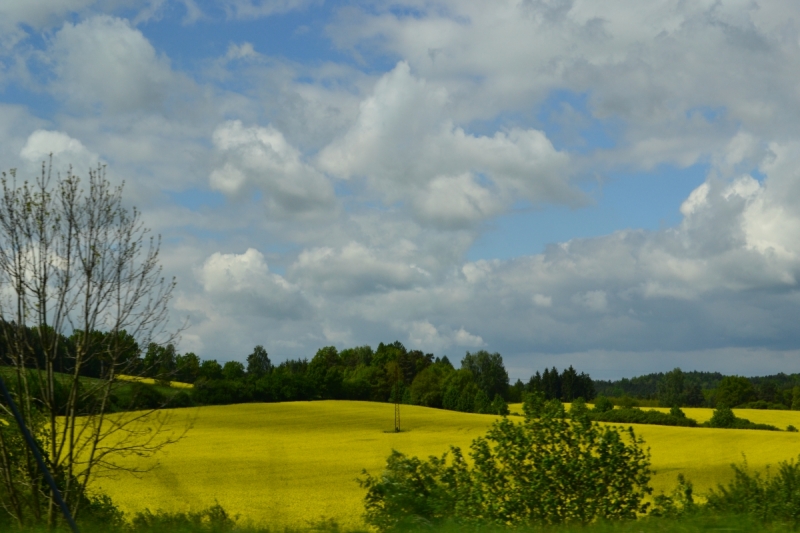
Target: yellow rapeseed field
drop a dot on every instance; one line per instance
(151, 381)
(291, 463)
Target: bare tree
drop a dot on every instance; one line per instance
(80, 287)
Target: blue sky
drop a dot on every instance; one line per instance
(612, 186)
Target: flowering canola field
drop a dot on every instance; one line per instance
(293, 463)
(151, 381)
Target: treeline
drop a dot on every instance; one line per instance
(480, 384)
(706, 389)
(646, 387)
(30, 343)
(389, 373)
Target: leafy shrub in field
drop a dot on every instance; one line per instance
(602, 405)
(723, 417)
(637, 416)
(768, 499)
(213, 520)
(677, 505)
(546, 470)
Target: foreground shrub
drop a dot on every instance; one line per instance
(213, 520)
(547, 470)
(768, 499)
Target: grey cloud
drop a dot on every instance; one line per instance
(355, 269)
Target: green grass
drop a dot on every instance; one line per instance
(695, 524)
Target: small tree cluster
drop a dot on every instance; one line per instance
(566, 386)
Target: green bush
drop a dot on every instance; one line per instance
(212, 520)
(768, 499)
(602, 405)
(637, 416)
(578, 408)
(546, 470)
(499, 406)
(679, 504)
(723, 417)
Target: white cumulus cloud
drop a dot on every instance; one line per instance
(406, 148)
(105, 62)
(261, 158)
(243, 284)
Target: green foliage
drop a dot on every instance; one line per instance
(693, 396)
(258, 362)
(499, 406)
(187, 368)
(426, 389)
(533, 404)
(488, 372)
(578, 408)
(734, 390)
(677, 412)
(210, 369)
(140, 396)
(677, 505)
(627, 402)
(768, 498)
(565, 386)
(671, 389)
(212, 520)
(602, 405)
(547, 470)
(723, 417)
(459, 391)
(796, 399)
(762, 404)
(358, 356)
(223, 391)
(481, 403)
(638, 416)
(232, 370)
(159, 361)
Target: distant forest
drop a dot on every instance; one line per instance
(707, 389)
(477, 383)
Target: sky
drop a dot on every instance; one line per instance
(610, 185)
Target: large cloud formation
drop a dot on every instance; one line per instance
(365, 180)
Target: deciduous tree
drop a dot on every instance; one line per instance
(74, 261)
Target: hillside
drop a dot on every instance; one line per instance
(288, 463)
